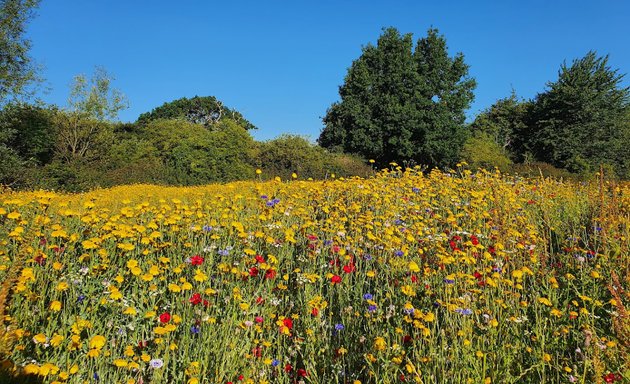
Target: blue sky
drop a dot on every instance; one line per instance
(281, 63)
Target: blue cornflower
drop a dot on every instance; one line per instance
(195, 329)
(80, 298)
(264, 197)
(415, 190)
(399, 253)
(372, 308)
(449, 281)
(368, 296)
(466, 311)
(275, 362)
(223, 252)
(207, 228)
(339, 327)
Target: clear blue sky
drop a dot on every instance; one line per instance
(280, 63)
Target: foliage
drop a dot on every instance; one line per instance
(16, 67)
(84, 128)
(502, 123)
(26, 140)
(399, 103)
(482, 151)
(290, 154)
(581, 120)
(95, 98)
(207, 111)
(193, 154)
(403, 277)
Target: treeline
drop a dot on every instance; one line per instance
(185, 142)
(407, 103)
(400, 102)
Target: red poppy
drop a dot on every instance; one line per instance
(336, 279)
(348, 268)
(196, 260)
(270, 274)
(260, 259)
(288, 323)
(611, 377)
(195, 299)
(253, 271)
(315, 312)
(165, 318)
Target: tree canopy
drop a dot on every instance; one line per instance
(16, 66)
(402, 104)
(581, 120)
(207, 111)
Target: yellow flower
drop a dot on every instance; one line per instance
(408, 290)
(40, 338)
(380, 344)
(413, 267)
(55, 306)
(31, 369)
(97, 342)
(130, 311)
(120, 363)
(56, 340)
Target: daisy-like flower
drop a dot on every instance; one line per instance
(156, 363)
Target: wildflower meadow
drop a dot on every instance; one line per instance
(460, 277)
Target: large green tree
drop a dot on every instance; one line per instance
(402, 104)
(207, 111)
(581, 120)
(16, 66)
